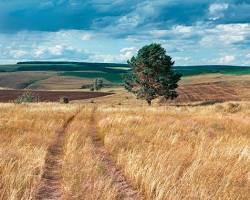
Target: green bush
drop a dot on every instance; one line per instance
(64, 100)
(27, 97)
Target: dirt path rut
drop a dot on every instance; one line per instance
(125, 189)
(50, 185)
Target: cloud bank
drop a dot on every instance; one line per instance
(192, 31)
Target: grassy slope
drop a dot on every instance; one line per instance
(20, 80)
(113, 72)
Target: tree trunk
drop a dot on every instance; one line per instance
(149, 102)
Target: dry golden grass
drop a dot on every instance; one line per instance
(25, 132)
(182, 153)
(200, 152)
(83, 174)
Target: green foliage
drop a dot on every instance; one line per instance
(64, 100)
(98, 84)
(27, 97)
(152, 74)
(109, 76)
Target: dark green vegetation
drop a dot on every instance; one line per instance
(27, 97)
(152, 74)
(111, 77)
(113, 72)
(207, 69)
(98, 84)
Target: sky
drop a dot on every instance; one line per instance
(193, 32)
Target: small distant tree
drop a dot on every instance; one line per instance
(98, 84)
(27, 97)
(64, 100)
(151, 74)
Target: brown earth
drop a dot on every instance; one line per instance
(207, 91)
(61, 83)
(44, 96)
(215, 91)
(188, 93)
(21, 80)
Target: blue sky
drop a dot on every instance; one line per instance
(192, 31)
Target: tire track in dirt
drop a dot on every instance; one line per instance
(50, 187)
(125, 190)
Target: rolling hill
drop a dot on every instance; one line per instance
(39, 71)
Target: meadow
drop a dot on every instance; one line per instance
(164, 152)
(116, 147)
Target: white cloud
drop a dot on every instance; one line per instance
(107, 58)
(56, 50)
(127, 53)
(182, 58)
(17, 53)
(182, 29)
(216, 10)
(248, 55)
(128, 21)
(227, 59)
(39, 51)
(86, 36)
(226, 34)
(159, 33)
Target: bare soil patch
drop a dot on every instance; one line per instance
(47, 96)
(217, 91)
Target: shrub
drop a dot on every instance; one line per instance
(232, 107)
(27, 97)
(64, 100)
(97, 85)
(86, 86)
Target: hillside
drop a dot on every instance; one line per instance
(72, 75)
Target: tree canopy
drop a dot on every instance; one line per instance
(151, 74)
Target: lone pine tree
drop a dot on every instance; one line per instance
(151, 74)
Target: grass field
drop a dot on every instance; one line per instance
(116, 147)
(163, 152)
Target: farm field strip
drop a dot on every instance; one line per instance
(202, 92)
(11, 95)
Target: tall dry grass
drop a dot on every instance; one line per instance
(25, 132)
(166, 152)
(84, 175)
(181, 153)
